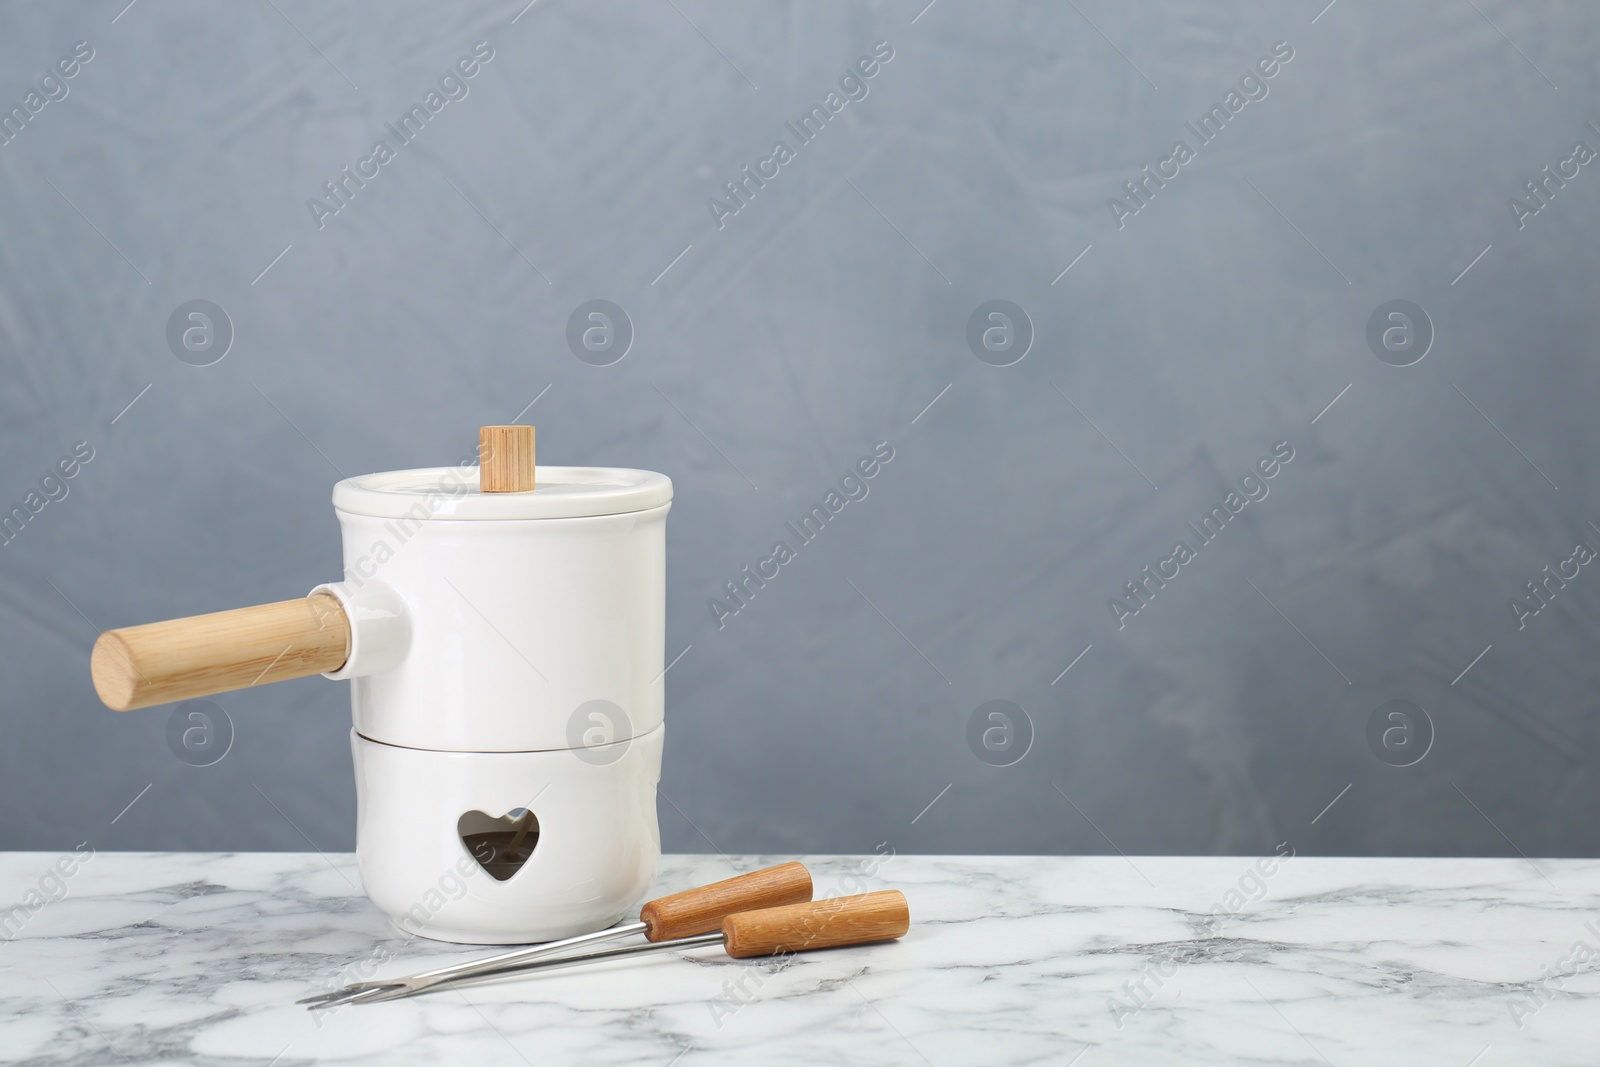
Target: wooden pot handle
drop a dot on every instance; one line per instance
(182, 658)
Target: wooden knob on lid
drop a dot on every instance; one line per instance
(505, 459)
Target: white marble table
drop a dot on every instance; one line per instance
(183, 958)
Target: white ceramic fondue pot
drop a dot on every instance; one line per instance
(502, 628)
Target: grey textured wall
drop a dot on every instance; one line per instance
(777, 345)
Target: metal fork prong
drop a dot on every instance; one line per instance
(330, 1003)
(337, 994)
(401, 989)
(366, 995)
(374, 996)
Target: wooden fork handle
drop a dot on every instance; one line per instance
(702, 910)
(857, 920)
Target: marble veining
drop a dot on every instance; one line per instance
(179, 958)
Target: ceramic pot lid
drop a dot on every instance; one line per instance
(454, 493)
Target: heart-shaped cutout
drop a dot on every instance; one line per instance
(501, 844)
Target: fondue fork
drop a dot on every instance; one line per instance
(680, 915)
(832, 923)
